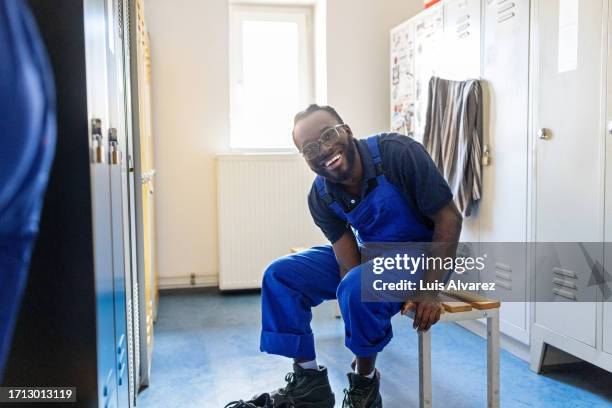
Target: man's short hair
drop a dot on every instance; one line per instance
(314, 108)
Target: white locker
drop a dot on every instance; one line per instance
(503, 206)
(569, 158)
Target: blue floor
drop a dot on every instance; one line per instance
(206, 353)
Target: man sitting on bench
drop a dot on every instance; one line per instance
(385, 188)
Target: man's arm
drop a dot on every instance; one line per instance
(447, 229)
(347, 252)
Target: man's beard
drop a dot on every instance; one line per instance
(345, 175)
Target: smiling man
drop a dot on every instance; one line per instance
(385, 188)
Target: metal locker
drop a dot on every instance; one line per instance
(98, 111)
(144, 175)
(569, 166)
(503, 206)
(118, 141)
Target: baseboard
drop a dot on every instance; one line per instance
(177, 282)
(507, 343)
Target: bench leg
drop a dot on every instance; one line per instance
(425, 369)
(493, 361)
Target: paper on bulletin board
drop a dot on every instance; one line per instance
(568, 35)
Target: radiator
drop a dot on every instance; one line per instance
(263, 212)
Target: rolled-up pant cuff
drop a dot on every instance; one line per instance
(288, 344)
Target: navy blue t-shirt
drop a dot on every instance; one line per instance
(406, 164)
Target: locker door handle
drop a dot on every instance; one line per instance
(544, 133)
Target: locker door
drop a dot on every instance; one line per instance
(569, 161)
(98, 113)
(144, 198)
(503, 207)
(129, 226)
(118, 191)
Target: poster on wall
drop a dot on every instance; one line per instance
(402, 79)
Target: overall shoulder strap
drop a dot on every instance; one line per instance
(327, 198)
(372, 143)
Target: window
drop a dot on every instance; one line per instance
(270, 74)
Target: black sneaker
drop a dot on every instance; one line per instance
(304, 389)
(363, 392)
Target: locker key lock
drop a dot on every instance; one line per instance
(544, 133)
(96, 141)
(113, 146)
(486, 156)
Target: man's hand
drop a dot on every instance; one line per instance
(427, 310)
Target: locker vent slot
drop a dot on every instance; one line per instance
(136, 329)
(130, 348)
(505, 11)
(564, 283)
(564, 293)
(503, 275)
(564, 272)
(462, 26)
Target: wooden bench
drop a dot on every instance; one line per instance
(457, 306)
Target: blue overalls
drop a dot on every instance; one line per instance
(293, 284)
(27, 145)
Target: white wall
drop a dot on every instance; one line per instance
(190, 98)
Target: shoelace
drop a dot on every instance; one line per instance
(352, 396)
(286, 399)
(291, 383)
(240, 404)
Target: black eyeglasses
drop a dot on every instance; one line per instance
(312, 149)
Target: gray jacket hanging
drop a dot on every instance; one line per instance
(453, 136)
